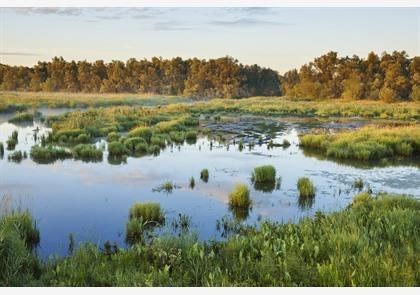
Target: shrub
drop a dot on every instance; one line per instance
(117, 149)
(306, 188)
(113, 136)
(87, 152)
(148, 212)
(204, 175)
(48, 154)
(239, 197)
(264, 175)
(142, 131)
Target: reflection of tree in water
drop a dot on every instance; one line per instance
(305, 202)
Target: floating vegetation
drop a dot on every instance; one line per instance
(306, 188)
(167, 187)
(49, 154)
(204, 175)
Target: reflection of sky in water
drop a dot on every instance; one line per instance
(91, 200)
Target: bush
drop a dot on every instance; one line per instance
(113, 136)
(143, 132)
(147, 212)
(117, 149)
(87, 152)
(306, 188)
(204, 175)
(49, 154)
(239, 197)
(264, 175)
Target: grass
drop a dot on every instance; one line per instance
(17, 156)
(204, 175)
(264, 175)
(191, 136)
(112, 136)
(147, 212)
(368, 143)
(239, 197)
(358, 184)
(306, 188)
(117, 149)
(87, 152)
(373, 242)
(22, 117)
(49, 154)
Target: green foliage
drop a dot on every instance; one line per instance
(306, 188)
(239, 197)
(373, 242)
(87, 152)
(368, 143)
(112, 136)
(22, 117)
(49, 154)
(117, 149)
(148, 212)
(264, 174)
(204, 175)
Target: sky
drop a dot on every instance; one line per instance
(279, 38)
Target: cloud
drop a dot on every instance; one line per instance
(48, 11)
(247, 22)
(20, 53)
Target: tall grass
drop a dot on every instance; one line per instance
(264, 178)
(148, 212)
(306, 188)
(368, 143)
(49, 154)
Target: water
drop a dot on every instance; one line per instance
(92, 200)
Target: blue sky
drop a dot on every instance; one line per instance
(280, 38)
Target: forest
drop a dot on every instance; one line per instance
(388, 77)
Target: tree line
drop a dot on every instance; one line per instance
(223, 77)
(389, 77)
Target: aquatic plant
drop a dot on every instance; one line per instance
(204, 175)
(117, 149)
(22, 117)
(49, 154)
(183, 222)
(241, 145)
(177, 136)
(148, 212)
(135, 231)
(158, 140)
(1, 150)
(82, 138)
(87, 152)
(368, 143)
(264, 175)
(112, 136)
(286, 143)
(11, 144)
(192, 182)
(239, 197)
(358, 184)
(142, 131)
(167, 186)
(17, 156)
(131, 143)
(191, 136)
(153, 149)
(305, 187)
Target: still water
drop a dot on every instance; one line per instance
(92, 200)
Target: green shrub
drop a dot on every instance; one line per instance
(144, 132)
(112, 136)
(264, 175)
(87, 152)
(49, 154)
(204, 175)
(306, 188)
(148, 212)
(239, 197)
(117, 149)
